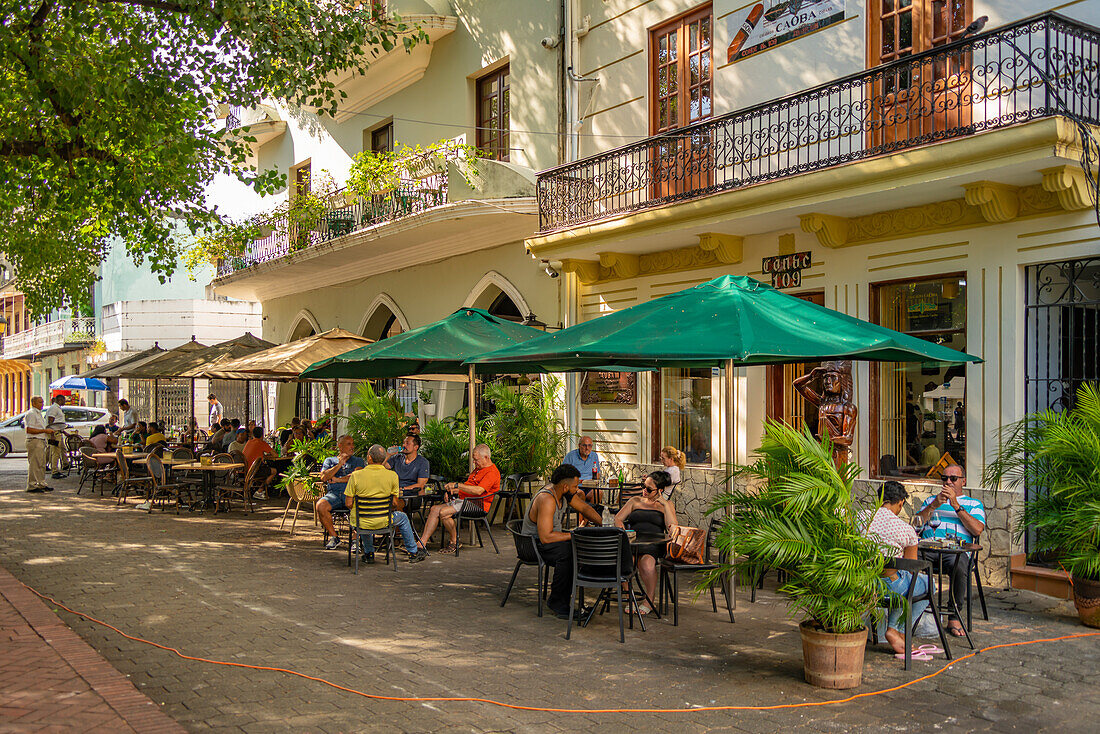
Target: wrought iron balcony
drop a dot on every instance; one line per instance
(1039, 67)
(285, 236)
(49, 338)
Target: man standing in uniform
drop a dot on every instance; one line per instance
(55, 419)
(37, 433)
(215, 410)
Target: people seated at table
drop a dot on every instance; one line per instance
(649, 514)
(239, 441)
(257, 449)
(587, 462)
(376, 480)
(112, 424)
(898, 540)
(296, 434)
(412, 469)
(284, 434)
(137, 438)
(962, 517)
(480, 486)
(543, 522)
(231, 435)
(216, 442)
(335, 471)
(103, 442)
(674, 461)
(156, 435)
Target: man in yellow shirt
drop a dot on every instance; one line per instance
(375, 480)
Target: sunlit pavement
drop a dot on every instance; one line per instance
(236, 588)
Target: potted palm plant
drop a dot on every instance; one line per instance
(797, 515)
(1057, 455)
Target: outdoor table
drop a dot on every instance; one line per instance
(111, 455)
(933, 546)
(208, 476)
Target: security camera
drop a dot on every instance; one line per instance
(549, 269)
(551, 42)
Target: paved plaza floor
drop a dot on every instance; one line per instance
(235, 588)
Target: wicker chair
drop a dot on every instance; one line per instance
(299, 492)
(227, 492)
(163, 490)
(124, 482)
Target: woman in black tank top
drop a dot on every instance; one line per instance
(651, 515)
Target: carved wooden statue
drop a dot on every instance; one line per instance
(835, 410)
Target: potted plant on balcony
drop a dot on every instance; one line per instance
(796, 515)
(426, 404)
(1057, 455)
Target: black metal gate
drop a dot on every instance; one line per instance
(1062, 336)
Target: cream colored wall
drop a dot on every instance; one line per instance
(992, 257)
(420, 293)
(616, 50)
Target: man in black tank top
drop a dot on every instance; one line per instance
(553, 543)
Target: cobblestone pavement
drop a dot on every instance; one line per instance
(236, 588)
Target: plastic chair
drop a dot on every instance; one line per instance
(527, 554)
(472, 511)
(371, 508)
(915, 567)
(671, 569)
(512, 498)
(598, 554)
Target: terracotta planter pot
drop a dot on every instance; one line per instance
(1086, 597)
(832, 660)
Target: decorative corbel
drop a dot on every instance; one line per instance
(728, 248)
(587, 271)
(831, 231)
(620, 264)
(1069, 185)
(998, 202)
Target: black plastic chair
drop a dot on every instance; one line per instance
(916, 568)
(473, 512)
(371, 508)
(527, 554)
(598, 554)
(671, 569)
(511, 496)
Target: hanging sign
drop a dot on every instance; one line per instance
(786, 270)
(760, 26)
(609, 387)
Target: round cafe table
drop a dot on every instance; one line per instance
(935, 550)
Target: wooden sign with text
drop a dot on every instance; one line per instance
(786, 270)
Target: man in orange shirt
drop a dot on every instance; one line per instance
(255, 450)
(482, 484)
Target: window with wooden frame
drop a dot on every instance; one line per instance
(492, 114)
(379, 140)
(681, 93)
(919, 99)
(303, 179)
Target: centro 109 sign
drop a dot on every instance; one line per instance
(786, 270)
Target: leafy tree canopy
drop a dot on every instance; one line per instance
(107, 117)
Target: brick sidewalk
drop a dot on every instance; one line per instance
(51, 680)
(235, 587)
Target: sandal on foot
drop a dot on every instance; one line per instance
(450, 550)
(956, 631)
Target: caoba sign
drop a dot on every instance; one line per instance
(786, 270)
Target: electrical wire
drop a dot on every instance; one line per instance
(520, 707)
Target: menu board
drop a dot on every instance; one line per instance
(609, 387)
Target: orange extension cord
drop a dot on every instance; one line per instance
(518, 707)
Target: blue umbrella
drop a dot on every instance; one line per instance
(78, 383)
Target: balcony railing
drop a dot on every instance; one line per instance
(1040, 67)
(54, 336)
(411, 197)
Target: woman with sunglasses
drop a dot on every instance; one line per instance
(649, 515)
(960, 516)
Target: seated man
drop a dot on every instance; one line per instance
(898, 540)
(296, 434)
(482, 483)
(239, 441)
(334, 473)
(411, 468)
(586, 461)
(378, 481)
(216, 442)
(284, 434)
(156, 435)
(961, 516)
(543, 522)
(256, 449)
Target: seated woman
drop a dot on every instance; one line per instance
(103, 442)
(649, 514)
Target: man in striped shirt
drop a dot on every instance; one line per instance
(961, 516)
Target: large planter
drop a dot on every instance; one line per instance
(1086, 597)
(832, 660)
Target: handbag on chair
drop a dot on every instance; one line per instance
(687, 544)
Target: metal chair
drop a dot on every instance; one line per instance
(162, 489)
(598, 554)
(669, 585)
(527, 554)
(183, 453)
(915, 567)
(124, 482)
(371, 508)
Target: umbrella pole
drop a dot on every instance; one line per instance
(731, 451)
(473, 416)
(335, 406)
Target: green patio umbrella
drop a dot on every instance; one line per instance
(728, 321)
(439, 348)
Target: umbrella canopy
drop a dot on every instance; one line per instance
(286, 361)
(78, 383)
(729, 318)
(135, 368)
(438, 348)
(111, 368)
(189, 357)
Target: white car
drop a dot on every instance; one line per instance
(13, 437)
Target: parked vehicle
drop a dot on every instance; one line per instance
(80, 420)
